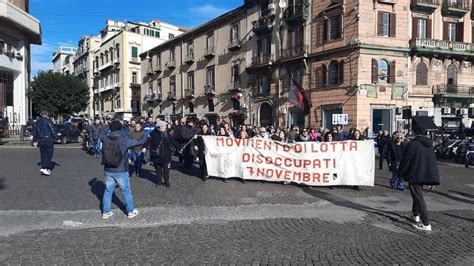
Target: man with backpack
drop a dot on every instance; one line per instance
(116, 143)
(43, 137)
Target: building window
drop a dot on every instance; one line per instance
(234, 33)
(386, 25)
(191, 107)
(263, 85)
(235, 72)
(452, 32)
(117, 50)
(191, 82)
(170, 36)
(295, 37)
(157, 34)
(210, 41)
(173, 85)
(210, 103)
(383, 71)
(134, 53)
(421, 28)
(159, 87)
(117, 104)
(421, 74)
(333, 27)
(134, 77)
(210, 77)
(172, 55)
(190, 48)
(335, 73)
(150, 87)
(452, 75)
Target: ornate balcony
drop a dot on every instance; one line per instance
(457, 8)
(134, 85)
(157, 97)
(295, 52)
(262, 25)
(189, 58)
(448, 94)
(172, 95)
(431, 46)
(298, 13)
(234, 45)
(170, 64)
(149, 70)
(425, 6)
(209, 90)
(189, 93)
(209, 52)
(148, 98)
(234, 87)
(261, 60)
(157, 68)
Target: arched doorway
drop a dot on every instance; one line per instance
(266, 115)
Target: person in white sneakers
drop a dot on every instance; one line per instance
(418, 167)
(116, 142)
(43, 137)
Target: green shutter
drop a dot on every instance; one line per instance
(157, 34)
(134, 52)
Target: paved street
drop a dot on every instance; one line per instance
(56, 220)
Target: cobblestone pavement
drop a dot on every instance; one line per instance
(56, 220)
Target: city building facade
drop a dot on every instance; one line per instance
(383, 61)
(116, 64)
(18, 30)
(83, 65)
(63, 59)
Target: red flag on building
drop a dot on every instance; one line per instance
(301, 97)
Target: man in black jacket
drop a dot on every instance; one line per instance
(382, 143)
(418, 167)
(199, 147)
(43, 137)
(159, 145)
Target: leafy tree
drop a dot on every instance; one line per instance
(59, 94)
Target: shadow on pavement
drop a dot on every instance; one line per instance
(467, 195)
(459, 217)
(356, 206)
(450, 196)
(98, 188)
(2, 184)
(53, 165)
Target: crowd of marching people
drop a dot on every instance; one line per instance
(119, 143)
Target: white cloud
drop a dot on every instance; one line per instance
(208, 10)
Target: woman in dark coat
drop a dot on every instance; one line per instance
(159, 144)
(395, 155)
(199, 147)
(418, 166)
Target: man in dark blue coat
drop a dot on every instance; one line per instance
(418, 166)
(43, 137)
(159, 145)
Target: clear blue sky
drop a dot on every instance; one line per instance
(64, 22)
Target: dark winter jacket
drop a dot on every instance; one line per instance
(199, 142)
(162, 141)
(418, 164)
(395, 152)
(94, 131)
(125, 142)
(43, 130)
(382, 144)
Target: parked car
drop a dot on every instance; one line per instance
(66, 133)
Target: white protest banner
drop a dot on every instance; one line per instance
(313, 163)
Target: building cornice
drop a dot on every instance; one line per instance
(21, 20)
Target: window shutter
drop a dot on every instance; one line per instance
(375, 70)
(380, 24)
(428, 28)
(445, 30)
(392, 72)
(341, 72)
(460, 32)
(323, 75)
(325, 30)
(393, 25)
(414, 28)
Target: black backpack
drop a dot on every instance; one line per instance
(111, 153)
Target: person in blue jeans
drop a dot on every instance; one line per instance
(117, 141)
(94, 132)
(137, 153)
(395, 155)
